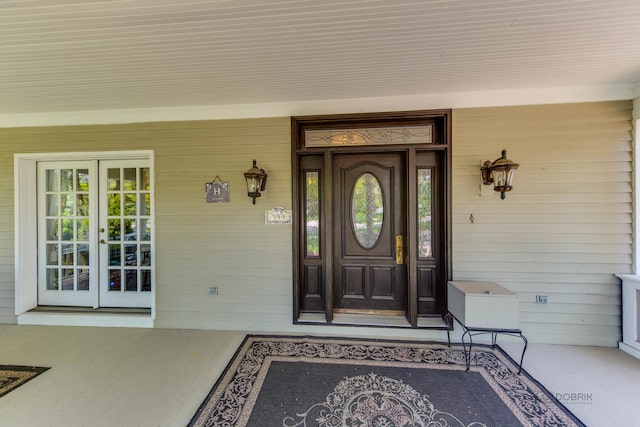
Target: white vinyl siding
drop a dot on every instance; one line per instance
(565, 229)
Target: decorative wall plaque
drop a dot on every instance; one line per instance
(217, 190)
(277, 215)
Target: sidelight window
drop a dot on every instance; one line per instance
(312, 213)
(425, 212)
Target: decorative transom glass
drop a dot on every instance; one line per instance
(369, 136)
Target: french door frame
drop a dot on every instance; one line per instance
(441, 144)
(26, 233)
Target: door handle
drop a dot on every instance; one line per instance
(102, 241)
(399, 250)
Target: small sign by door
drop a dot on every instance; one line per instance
(277, 215)
(217, 191)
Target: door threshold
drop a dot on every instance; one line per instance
(366, 319)
(87, 316)
(373, 320)
(101, 310)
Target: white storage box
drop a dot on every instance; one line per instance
(484, 305)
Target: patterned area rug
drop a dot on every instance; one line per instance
(335, 382)
(12, 377)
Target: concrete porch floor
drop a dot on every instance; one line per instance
(159, 377)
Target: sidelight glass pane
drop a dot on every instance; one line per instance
(425, 213)
(367, 210)
(312, 214)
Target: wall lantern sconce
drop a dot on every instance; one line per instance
(256, 181)
(499, 173)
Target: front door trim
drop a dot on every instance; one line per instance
(313, 276)
(26, 240)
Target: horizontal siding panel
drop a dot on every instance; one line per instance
(548, 218)
(542, 259)
(508, 266)
(556, 227)
(545, 198)
(570, 308)
(547, 248)
(534, 209)
(565, 229)
(533, 170)
(526, 238)
(570, 318)
(8, 319)
(596, 283)
(544, 177)
(564, 301)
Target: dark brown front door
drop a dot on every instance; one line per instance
(370, 226)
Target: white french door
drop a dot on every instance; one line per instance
(94, 233)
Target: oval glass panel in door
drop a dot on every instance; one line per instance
(367, 210)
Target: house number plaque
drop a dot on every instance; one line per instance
(277, 215)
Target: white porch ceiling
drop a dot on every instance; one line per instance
(84, 55)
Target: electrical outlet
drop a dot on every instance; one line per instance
(213, 290)
(542, 299)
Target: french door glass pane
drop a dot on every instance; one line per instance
(424, 213)
(66, 237)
